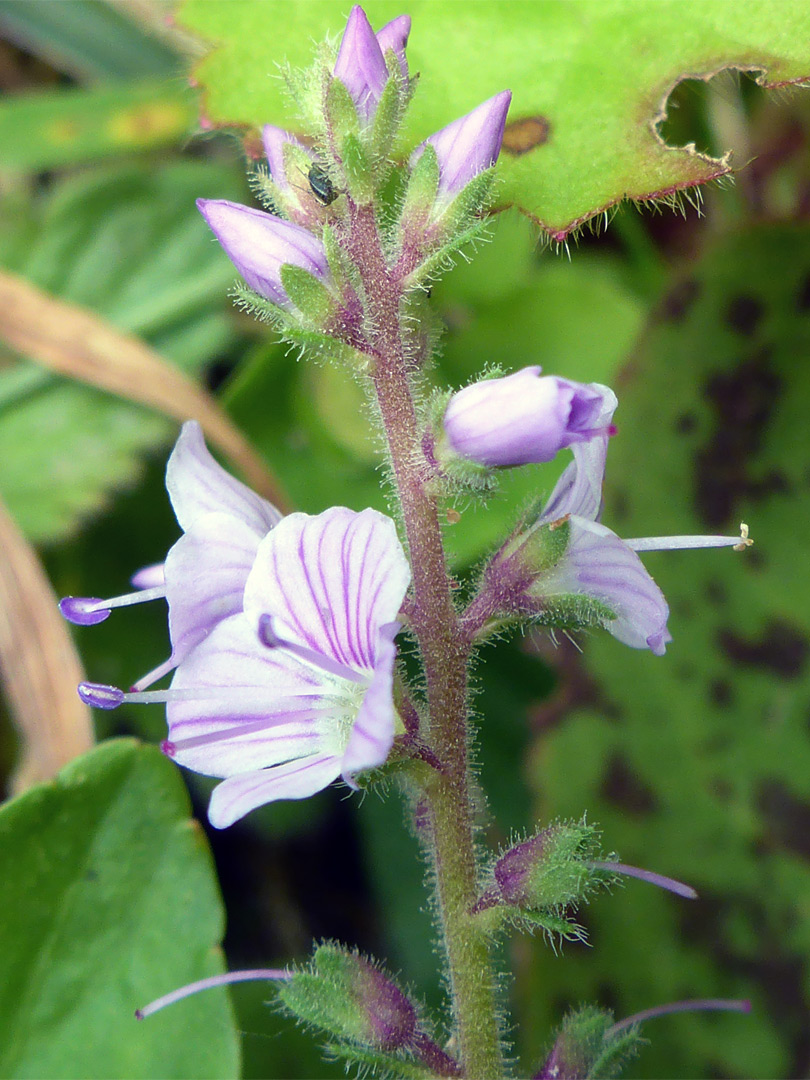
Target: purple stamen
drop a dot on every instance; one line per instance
(84, 610)
(100, 696)
(697, 1005)
(272, 639)
(650, 876)
(254, 975)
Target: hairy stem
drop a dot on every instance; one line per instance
(445, 655)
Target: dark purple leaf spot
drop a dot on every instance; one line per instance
(781, 649)
(744, 313)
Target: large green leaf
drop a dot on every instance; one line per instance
(697, 764)
(589, 78)
(109, 900)
(53, 128)
(130, 245)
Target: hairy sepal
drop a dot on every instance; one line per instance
(309, 295)
(358, 171)
(420, 195)
(340, 115)
(381, 1064)
(384, 128)
(584, 1048)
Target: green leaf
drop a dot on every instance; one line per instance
(109, 900)
(588, 79)
(697, 764)
(131, 246)
(86, 39)
(53, 128)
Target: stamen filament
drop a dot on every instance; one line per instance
(273, 640)
(153, 675)
(256, 974)
(697, 1005)
(650, 876)
(292, 730)
(101, 696)
(675, 543)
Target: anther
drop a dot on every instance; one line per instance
(100, 696)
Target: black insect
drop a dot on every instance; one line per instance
(321, 186)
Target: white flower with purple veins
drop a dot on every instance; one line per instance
(525, 417)
(296, 690)
(598, 564)
(360, 63)
(203, 578)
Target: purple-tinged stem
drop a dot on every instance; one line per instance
(256, 974)
(697, 1005)
(445, 655)
(431, 1054)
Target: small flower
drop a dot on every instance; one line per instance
(467, 147)
(204, 575)
(260, 244)
(525, 417)
(570, 569)
(295, 689)
(360, 63)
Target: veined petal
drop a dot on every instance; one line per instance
(599, 564)
(198, 485)
(259, 244)
(579, 489)
(242, 692)
(206, 571)
(238, 795)
(373, 732)
(332, 580)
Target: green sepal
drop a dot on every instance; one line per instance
(397, 1067)
(555, 875)
(442, 258)
(357, 168)
(540, 547)
(316, 345)
(469, 202)
(554, 926)
(571, 611)
(342, 268)
(423, 186)
(384, 127)
(306, 86)
(340, 113)
(308, 294)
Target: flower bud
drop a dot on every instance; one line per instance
(549, 870)
(360, 63)
(523, 417)
(259, 245)
(347, 996)
(467, 147)
(274, 139)
(586, 1046)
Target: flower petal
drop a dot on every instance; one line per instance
(598, 563)
(206, 571)
(373, 731)
(469, 145)
(332, 580)
(579, 489)
(360, 65)
(273, 140)
(198, 485)
(249, 706)
(238, 795)
(394, 35)
(259, 244)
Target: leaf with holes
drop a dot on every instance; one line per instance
(589, 78)
(109, 899)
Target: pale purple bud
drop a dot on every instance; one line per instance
(469, 145)
(360, 64)
(524, 417)
(259, 244)
(274, 140)
(394, 35)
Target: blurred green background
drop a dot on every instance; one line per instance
(696, 765)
